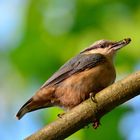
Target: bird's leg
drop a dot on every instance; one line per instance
(92, 96)
(96, 123)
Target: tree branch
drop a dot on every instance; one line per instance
(86, 112)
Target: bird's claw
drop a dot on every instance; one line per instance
(60, 115)
(96, 123)
(92, 96)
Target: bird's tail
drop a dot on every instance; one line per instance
(24, 109)
(40, 100)
(29, 106)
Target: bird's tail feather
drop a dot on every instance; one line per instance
(36, 102)
(23, 110)
(32, 105)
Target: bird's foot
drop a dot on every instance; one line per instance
(60, 115)
(92, 96)
(96, 123)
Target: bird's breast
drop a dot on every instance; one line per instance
(97, 78)
(77, 87)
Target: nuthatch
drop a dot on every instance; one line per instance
(89, 72)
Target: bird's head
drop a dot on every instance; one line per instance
(106, 47)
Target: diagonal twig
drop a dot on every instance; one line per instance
(86, 112)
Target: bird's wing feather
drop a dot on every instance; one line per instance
(80, 63)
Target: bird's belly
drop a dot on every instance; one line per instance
(77, 88)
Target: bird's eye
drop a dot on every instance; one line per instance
(102, 46)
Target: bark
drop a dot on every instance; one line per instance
(86, 112)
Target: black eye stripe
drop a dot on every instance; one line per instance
(94, 47)
(91, 48)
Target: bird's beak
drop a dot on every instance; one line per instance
(118, 45)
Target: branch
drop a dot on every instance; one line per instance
(87, 111)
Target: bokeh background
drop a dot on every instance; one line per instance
(37, 37)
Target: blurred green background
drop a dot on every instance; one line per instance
(37, 37)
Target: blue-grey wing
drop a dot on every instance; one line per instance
(77, 64)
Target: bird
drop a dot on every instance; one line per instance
(80, 78)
